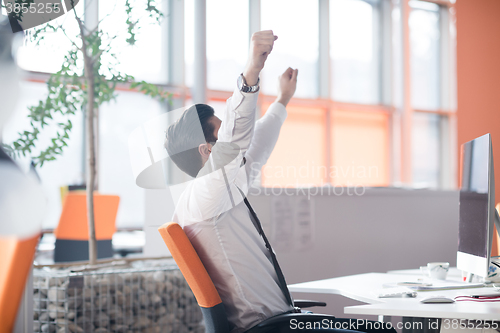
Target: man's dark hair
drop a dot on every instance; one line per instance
(184, 136)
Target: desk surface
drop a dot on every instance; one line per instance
(360, 287)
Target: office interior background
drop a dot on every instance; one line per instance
(387, 91)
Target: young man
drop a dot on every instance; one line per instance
(211, 209)
(224, 155)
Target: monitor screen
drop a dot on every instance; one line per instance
(474, 205)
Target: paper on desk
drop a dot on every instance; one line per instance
(394, 292)
(448, 286)
(435, 285)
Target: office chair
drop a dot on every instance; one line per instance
(212, 308)
(16, 257)
(72, 232)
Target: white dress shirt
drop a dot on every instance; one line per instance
(217, 221)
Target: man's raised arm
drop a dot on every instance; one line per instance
(268, 127)
(261, 45)
(239, 119)
(287, 85)
(211, 186)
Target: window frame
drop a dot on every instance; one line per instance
(447, 110)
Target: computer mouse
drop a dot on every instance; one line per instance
(437, 299)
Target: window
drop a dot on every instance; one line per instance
(367, 80)
(49, 55)
(342, 144)
(428, 64)
(189, 44)
(354, 50)
(426, 149)
(142, 60)
(295, 24)
(425, 55)
(227, 42)
(374, 101)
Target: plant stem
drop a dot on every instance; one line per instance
(91, 166)
(89, 78)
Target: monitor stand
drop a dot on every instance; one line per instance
(470, 276)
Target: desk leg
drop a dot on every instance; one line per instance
(421, 325)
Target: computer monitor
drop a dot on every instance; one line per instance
(477, 212)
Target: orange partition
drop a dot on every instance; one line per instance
(73, 223)
(299, 158)
(360, 148)
(16, 257)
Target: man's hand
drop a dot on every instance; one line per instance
(287, 83)
(260, 47)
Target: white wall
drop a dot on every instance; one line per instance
(159, 208)
(381, 230)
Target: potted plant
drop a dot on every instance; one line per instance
(83, 89)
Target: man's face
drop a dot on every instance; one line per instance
(206, 149)
(216, 122)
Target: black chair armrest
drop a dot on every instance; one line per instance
(303, 303)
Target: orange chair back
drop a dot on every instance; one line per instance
(190, 265)
(16, 257)
(73, 223)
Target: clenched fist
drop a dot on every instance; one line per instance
(287, 83)
(261, 45)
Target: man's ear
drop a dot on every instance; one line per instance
(204, 151)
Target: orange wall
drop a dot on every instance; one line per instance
(478, 74)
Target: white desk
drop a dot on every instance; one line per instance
(360, 287)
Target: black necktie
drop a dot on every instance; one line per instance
(279, 273)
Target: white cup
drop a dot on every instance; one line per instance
(436, 270)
